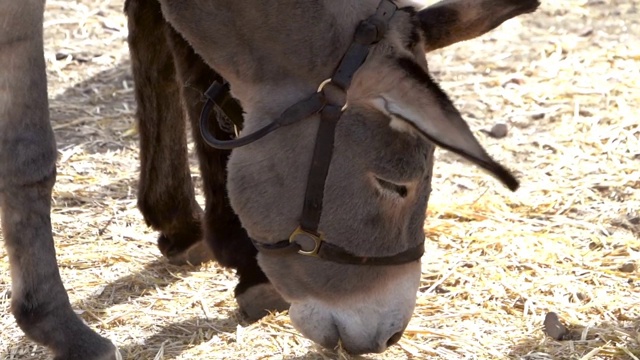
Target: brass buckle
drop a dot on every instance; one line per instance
(317, 241)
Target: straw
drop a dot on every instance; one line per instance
(565, 80)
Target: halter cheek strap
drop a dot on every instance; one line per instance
(330, 101)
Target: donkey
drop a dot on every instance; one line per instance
(355, 273)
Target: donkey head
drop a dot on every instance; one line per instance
(378, 182)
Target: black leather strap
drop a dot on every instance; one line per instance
(298, 111)
(368, 32)
(322, 154)
(337, 254)
(230, 110)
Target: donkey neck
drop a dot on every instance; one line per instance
(289, 57)
(273, 53)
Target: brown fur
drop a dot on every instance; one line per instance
(169, 82)
(271, 61)
(165, 193)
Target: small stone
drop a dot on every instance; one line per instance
(586, 32)
(499, 131)
(537, 356)
(595, 245)
(553, 327)
(628, 267)
(61, 56)
(515, 81)
(585, 113)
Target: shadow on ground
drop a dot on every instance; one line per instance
(186, 333)
(97, 112)
(93, 115)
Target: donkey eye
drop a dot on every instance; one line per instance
(396, 189)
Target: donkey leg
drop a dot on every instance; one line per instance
(165, 192)
(39, 301)
(222, 229)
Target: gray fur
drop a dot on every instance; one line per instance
(274, 53)
(39, 301)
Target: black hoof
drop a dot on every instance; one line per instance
(112, 354)
(259, 300)
(183, 253)
(197, 254)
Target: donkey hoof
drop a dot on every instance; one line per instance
(196, 254)
(258, 301)
(104, 351)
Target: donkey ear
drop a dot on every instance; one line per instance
(421, 103)
(451, 21)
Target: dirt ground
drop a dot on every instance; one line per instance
(565, 80)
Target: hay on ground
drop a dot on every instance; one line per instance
(566, 81)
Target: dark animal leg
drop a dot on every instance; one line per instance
(39, 301)
(224, 233)
(165, 192)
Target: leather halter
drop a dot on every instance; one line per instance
(330, 101)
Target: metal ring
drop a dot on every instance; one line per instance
(327, 82)
(323, 84)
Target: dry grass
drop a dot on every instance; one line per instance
(566, 81)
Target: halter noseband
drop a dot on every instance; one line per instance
(330, 101)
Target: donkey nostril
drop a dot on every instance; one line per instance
(394, 338)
